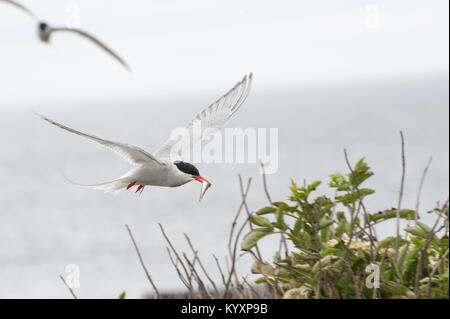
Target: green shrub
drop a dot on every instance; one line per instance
(330, 249)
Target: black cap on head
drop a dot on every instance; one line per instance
(42, 26)
(187, 168)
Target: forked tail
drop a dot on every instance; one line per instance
(113, 186)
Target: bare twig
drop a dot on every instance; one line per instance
(185, 281)
(200, 263)
(234, 223)
(231, 250)
(174, 251)
(366, 215)
(400, 196)
(198, 279)
(68, 287)
(233, 258)
(265, 183)
(220, 269)
(353, 218)
(419, 191)
(423, 254)
(142, 262)
(253, 290)
(244, 202)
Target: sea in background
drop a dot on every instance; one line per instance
(47, 223)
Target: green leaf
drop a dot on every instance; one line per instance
(313, 185)
(260, 221)
(123, 295)
(266, 210)
(281, 204)
(392, 213)
(280, 219)
(365, 192)
(361, 172)
(253, 236)
(393, 288)
(260, 280)
(416, 231)
(340, 229)
(424, 227)
(325, 221)
(263, 269)
(297, 227)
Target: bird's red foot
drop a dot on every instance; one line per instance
(139, 188)
(130, 185)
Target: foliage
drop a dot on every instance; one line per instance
(330, 249)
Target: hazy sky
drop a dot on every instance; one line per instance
(187, 47)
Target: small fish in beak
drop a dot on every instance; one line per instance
(205, 185)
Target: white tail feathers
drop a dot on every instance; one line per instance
(114, 186)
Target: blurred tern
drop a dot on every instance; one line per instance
(45, 31)
(160, 169)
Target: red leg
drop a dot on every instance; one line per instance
(139, 188)
(130, 185)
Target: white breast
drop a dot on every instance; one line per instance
(165, 175)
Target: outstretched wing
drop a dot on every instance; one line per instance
(95, 40)
(130, 153)
(211, 119)
(18, 5)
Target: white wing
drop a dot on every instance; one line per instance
(130, 153)
(18, 5)
(95, 40)
(211, 119)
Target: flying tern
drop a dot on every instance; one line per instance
(160, 168)
(45, 31)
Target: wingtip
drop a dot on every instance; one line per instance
(127, 67)
(250, 78)
(38, 114)
(43, 117)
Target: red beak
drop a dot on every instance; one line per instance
(200, 179)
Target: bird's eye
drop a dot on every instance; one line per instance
(42, 26)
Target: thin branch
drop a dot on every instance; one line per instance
(233, 258)
(220, 269)
(231, 251)
(180, 275)
(234, 223)
(253, 290)
(422, 256)
(200, 263)
(68, 287)
(142, 262)
(201, 285)
(366, 215)
(244, 202)
(265, 183)
(419, 191)
(174, 251)
(400, 196)
(353, 218)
